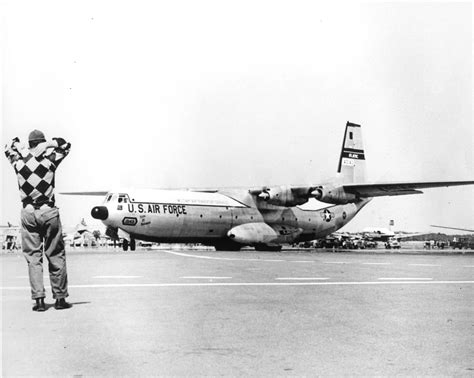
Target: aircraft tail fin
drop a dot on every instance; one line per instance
(352, 160)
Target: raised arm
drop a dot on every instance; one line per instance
(11, 152)
(61, 150)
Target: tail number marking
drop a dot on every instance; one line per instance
(348, 162)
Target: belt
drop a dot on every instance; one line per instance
(38, 205)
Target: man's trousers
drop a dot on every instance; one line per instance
(42, 228)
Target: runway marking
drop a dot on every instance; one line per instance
(405, 278)
(117, 276)
(468, 266)
(424, 264)
(212, 258)
(22, 277)
(206, 277)
(302, 261)
(376, 263)
(302, 278)
(237, 284)
(336, 262)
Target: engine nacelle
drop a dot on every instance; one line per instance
(285, 196)
(333, 195)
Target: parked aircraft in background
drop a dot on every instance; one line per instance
(384, 234)
(264, 217)
(9, 236)
(78, 235)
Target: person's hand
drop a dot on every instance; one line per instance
(59, 141)
(15, 141)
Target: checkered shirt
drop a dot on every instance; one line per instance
(35, 169)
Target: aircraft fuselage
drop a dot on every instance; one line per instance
(211, 218)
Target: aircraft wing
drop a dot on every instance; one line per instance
(406, 236)
(453, 228)
(397, 188)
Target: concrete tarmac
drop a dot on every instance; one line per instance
(190, 312)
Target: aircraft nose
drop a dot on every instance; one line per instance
(100, 212)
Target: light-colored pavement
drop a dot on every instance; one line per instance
(248, 313)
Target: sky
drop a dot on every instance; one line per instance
(165, 94)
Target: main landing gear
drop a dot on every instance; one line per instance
(227, 246)
(131, 244)
(268, 248)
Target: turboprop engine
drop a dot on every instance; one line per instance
(285, 196)
(262, 233)
(292, 196)
(333, 195)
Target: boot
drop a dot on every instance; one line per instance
(39, 306)
(61, 304)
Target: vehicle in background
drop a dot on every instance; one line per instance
(392, 243)
(462, 243)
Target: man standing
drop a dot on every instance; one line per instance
(35, 168)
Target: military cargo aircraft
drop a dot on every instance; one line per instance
(264, 217)
(385, 234)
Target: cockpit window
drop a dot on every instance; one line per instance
(109, 197)
(123, 198)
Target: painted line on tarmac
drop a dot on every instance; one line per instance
(336, 262)
(405, 278)
(376, 263)
(301, 261)
(237, 284)
(468, 266)
(117, 276)
(424, 264)
(206, 277)
(45, 276)
(273, 260)
(211, 258)
(302, 278)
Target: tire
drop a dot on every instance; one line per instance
(227, 246)
(267, 248)
(133, 245)
(125, 245)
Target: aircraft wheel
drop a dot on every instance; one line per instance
(268, 248)
(125, 245)
(229, 246)
(132, 244)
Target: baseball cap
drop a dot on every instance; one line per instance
(36, 135)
